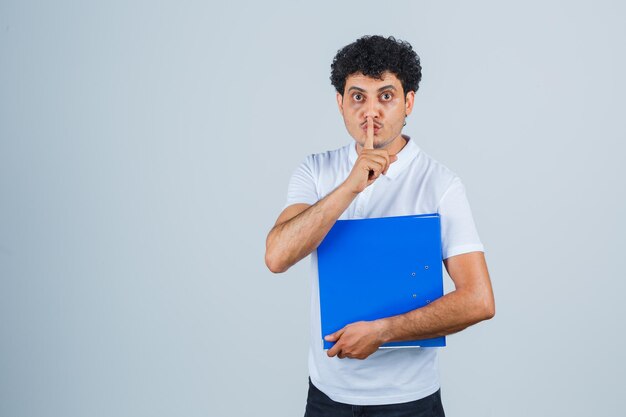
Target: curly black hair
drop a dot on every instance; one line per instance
(373, 55)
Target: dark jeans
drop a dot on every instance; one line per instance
(319, 404)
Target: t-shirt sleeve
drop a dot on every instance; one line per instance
(302, 186)
(458, 231)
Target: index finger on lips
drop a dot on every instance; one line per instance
(369, 141)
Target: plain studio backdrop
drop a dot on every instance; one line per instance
(145, 153)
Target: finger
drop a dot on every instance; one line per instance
(334, 336)
(382, 161)
(334, 350)
(380, 153)
(369, 141)
(375, 164)
(392, 159)
(331, 337)
(385, 155)
(378, 158)
(376, 173)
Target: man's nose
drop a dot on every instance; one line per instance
(371, 110)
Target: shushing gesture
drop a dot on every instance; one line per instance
(370, 164)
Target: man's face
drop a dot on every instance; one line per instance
(383, 100)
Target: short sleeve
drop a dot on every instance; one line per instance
(458, 231)
(302, 185)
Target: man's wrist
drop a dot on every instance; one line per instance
(346, 190)
(385, 330)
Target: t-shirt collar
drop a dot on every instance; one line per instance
(405, 157)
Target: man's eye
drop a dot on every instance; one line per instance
(357, 97)
(386, 96)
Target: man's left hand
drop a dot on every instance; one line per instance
(357, 340)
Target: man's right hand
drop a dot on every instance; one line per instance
(370, 163)
(300, 228)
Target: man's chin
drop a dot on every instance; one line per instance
(378, 142)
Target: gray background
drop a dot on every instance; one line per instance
(145, 150)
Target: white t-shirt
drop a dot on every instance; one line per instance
(414, 184)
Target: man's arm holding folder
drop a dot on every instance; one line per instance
(472, 301)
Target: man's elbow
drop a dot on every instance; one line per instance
(272, 260)
(274, 264)
(488, 308)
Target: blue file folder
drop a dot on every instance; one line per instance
(379, 267)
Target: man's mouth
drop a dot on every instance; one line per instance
(376, 128)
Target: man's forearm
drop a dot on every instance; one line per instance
(449, 314)
(289, 242)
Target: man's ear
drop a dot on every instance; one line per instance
(409, 100)
(340, 103)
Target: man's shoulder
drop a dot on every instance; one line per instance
(329, 158)
(437, 170)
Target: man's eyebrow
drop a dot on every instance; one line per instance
(386, 87)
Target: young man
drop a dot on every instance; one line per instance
(382, 173)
